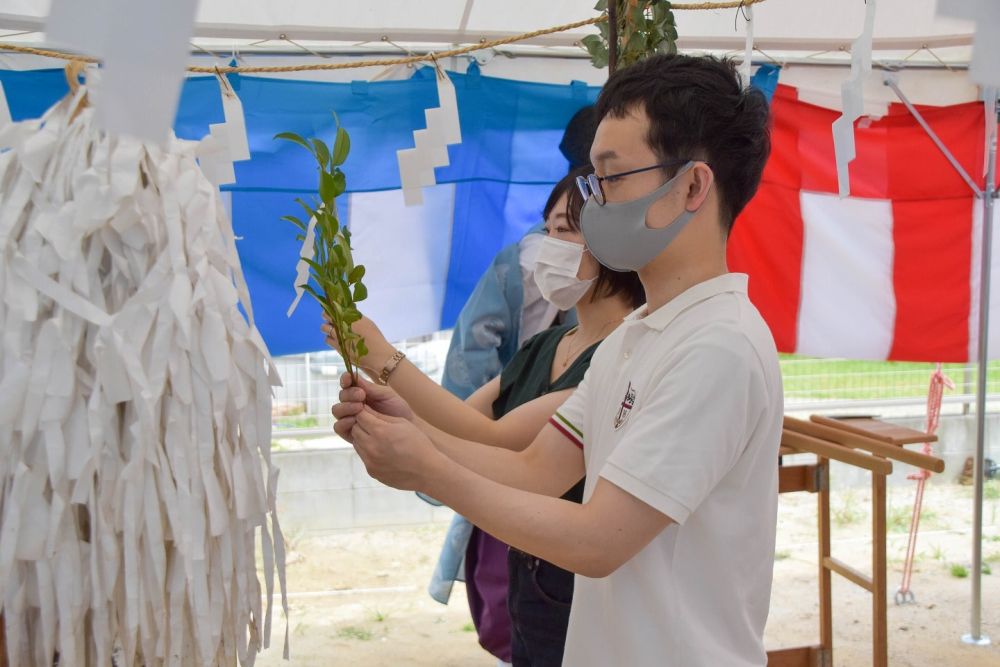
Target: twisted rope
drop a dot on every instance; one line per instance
(383, 62)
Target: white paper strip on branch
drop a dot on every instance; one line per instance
(748, 49)
(416, 165)
(852, 93)
(135, 415)
(226, 142)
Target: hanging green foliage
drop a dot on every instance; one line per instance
(645, 27)
(334, 279)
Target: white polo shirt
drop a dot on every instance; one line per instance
(682, 408)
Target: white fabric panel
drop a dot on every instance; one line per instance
(406, 257)
(847, 307)
(993, 349)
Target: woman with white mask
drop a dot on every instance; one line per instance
(524, 621)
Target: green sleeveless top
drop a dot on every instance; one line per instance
(528, 374)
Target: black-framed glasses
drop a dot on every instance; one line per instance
(592, 185)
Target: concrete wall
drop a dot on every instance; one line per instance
(957, 441)
(329, 489)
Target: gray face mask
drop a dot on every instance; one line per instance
(617, 235)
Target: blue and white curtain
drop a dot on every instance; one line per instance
(422, 261)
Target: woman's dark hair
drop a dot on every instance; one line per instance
(623, 284)
(698, 109)
(579, 136)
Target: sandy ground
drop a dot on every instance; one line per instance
(358, 598)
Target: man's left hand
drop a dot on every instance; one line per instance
(394, 450)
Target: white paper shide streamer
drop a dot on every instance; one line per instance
(135, 401)
(852, 94)
(417, 164)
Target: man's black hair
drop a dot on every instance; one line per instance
(697, 109)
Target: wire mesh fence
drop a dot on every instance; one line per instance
(312, 382)
(817, 383)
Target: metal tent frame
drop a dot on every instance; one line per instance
(987, 193)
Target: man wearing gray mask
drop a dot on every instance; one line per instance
(677, 422)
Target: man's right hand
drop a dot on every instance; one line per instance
(353, 398)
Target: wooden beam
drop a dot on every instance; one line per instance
(825, 551)
(798, 478)
(800, 656)
(876, 429)
(848, 572)
(880, 611)
(831, 450)
(849, 438)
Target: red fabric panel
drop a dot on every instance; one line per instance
(766, 243)
(932, 211)
(933, 255)
(917, 169)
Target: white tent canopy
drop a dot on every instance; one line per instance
(821, 29)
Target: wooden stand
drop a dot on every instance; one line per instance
(864, 443)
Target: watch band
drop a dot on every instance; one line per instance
(390, 366)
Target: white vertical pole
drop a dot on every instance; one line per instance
(975, 635)
(308, 385)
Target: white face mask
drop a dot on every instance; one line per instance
(555, 272)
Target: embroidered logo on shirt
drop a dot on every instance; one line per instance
(625, 409)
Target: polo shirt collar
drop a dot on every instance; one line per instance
(665, 314)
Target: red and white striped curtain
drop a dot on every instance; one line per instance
(891, 272)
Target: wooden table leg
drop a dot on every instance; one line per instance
(825, 577)
(880, 631)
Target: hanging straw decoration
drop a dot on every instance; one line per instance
(135, 418)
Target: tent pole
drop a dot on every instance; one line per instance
(612, 36)
(975, 635)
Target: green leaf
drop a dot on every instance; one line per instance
(327, 188)
(345, 294)
(362, 349)
(329, 287)
(330, 224)
(360, 292)
(322, 230)
(322, 153)
(351, 316)
(356, 274)
(339, 252)
(316, 266)
(291, 136)
(334, 224)
(295, 221)
(341, 147)
(637, 14)
(310, 211)
(340, 183)
(660, 11)
(300, 237)
(597, 50)
(348, 257)
(601, 6)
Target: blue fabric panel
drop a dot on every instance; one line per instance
(503, 169)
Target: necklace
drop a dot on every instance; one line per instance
(571, 353)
